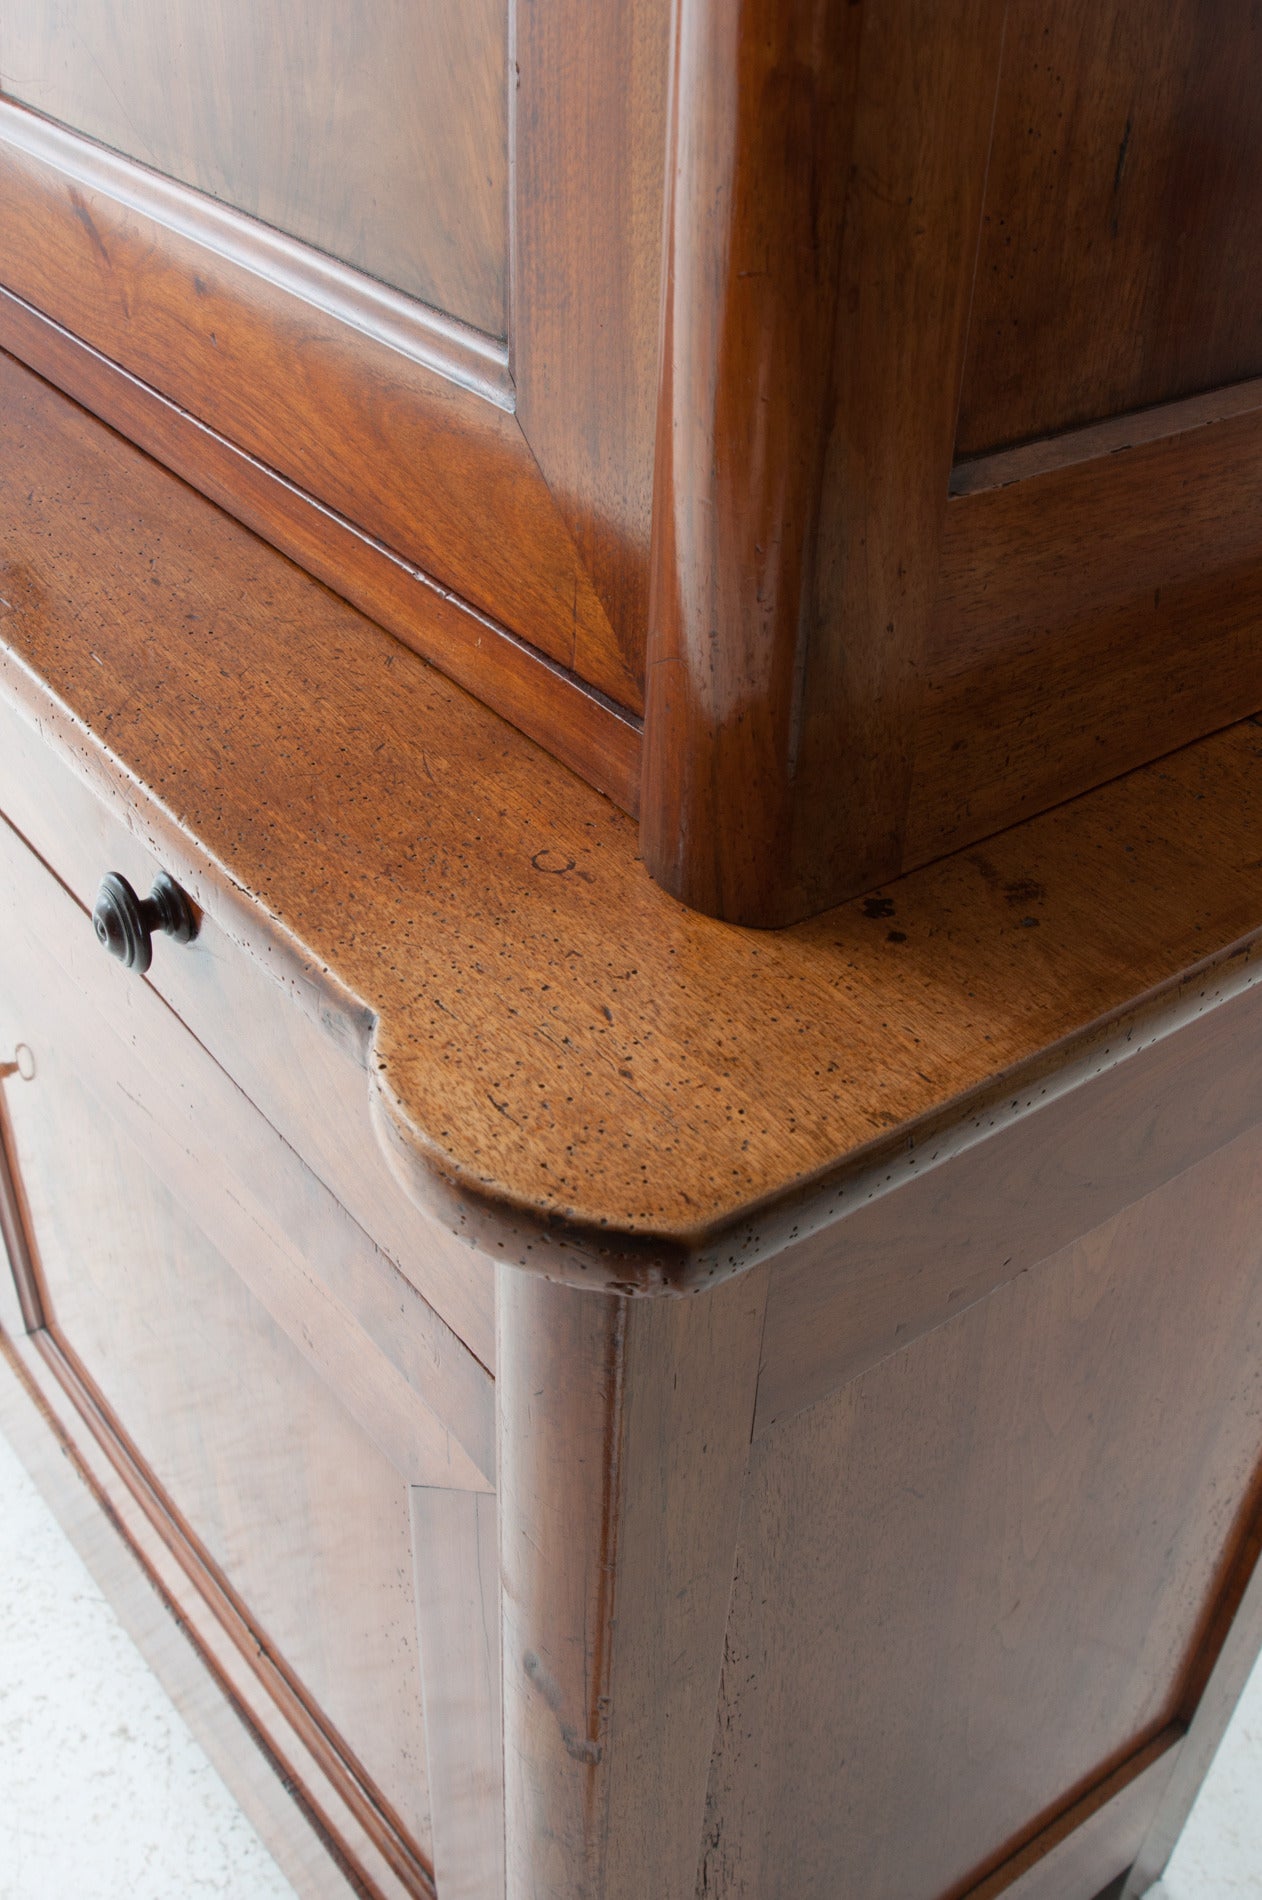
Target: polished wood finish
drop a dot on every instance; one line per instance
(456, 1582)
(805, 435)
(305, 1066)
(583, 729)
(589, 143)
(414, 889)
(849, 677)
(741, 482)
(1147, 575)
(992, 1593)
(398, 437)
(330, 123)
(877, 1302)
(624, 1432)
(1118, 264)
(414, 1388)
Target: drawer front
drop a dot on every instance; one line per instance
(279, 1381)
(296, 1046)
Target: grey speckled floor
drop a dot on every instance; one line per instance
(106, 1796)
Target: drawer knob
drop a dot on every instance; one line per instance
(125, 923)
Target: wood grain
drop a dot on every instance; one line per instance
(827, 178)
(456, 1582)
(438, 473)
(589, 152)
(979, 1577)
(1117, 266)
(909, 1260)
(1089, 618)
(376, 135)
(299, 1048)
(573, 1064)
(1111, 437)
(759, 158)
(624, 1433)
(411, 1385)
(250, 1430)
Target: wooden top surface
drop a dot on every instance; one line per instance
(577, 1067)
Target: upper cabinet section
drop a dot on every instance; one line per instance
(1119, 263)
(376, 133)
(835, 474)
(387, 294)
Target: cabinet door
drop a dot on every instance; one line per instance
(196, 1290)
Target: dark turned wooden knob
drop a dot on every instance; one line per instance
(125, 923)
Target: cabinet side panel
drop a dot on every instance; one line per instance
(976, 1580)
(1119, 263)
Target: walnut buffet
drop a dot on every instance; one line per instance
(639, 626)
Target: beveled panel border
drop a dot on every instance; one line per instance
(392, 419)
(456, 350)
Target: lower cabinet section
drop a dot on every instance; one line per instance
(917, 1562)
(269, 1386)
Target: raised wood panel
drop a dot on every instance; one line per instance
(1090, 617)
(325, 387)
(582, 728)
(1104, 1831)
(139, 1563)
(979, 1576)
(1229, 1657)
(298, 1510)
(378, 134)
(1119, 262)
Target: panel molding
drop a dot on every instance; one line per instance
(215, 313)
(1110, 437)
(209, 1608)
(1061, 1162)
(1096, 1838)
(455, 350)
(582, 727)
(1094, 612)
